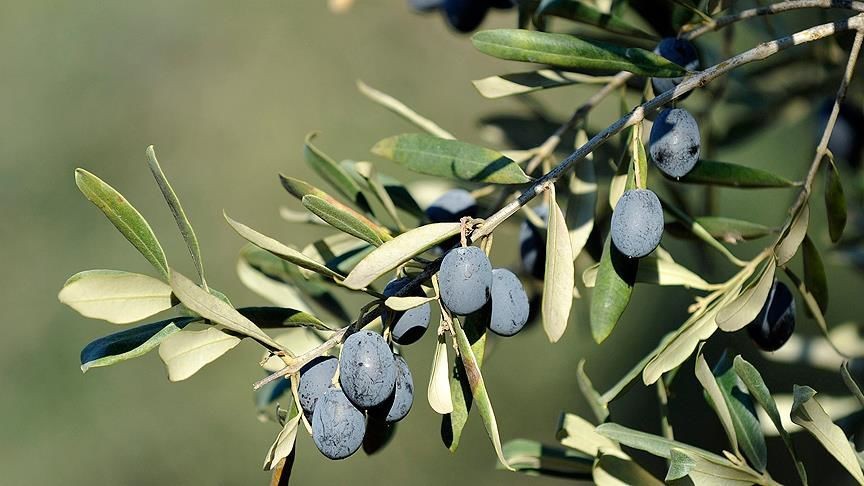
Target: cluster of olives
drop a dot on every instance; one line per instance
(462, 15)
(776, 321)
(371, 379)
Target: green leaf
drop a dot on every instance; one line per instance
(699, 231)
(581, 12)
(333, 173)
(724, 229)
(788, 246)
(733, 175)
(283, 446)
(124, 217)
(462, 397)
(559, 278)
(743, 309)
(438, 392)
(815, 279)
(656, 271)
(403, 110)
(708, 473)
(280, 250)
(214, 309)
(398, 251)
(652, 444)
(716, 399)
(615, 279)
(533, 458)
(450, 158)
(754, 383)
(343, 220)
(809, 414)
(478, 390)
(743, 414)
(835, 202)
(116, 296)
(339, 252)
(615, 469)
(567, 51)
(597, 403)
(850, 382)
(367, 171)
(581, 201)
(185, 352)
(128, 344)
(528, 82)
(577, 433)
(282, 317)
(179, 214)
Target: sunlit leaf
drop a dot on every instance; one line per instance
(614, 285)
(438, 392)
(185, 352)
(683, 463)
(344, 221)
(743, 309)
(743, 414)
(718, 402)
(531, 81)
(579, 434)
(815, 279)
(282, 317)
(656, 271)
(567, 51)
(450, 158)
(559, 276)
(339, 252)
(652, 444)
(128, 344)
(533, 458)
(733, 175)
(835, 202)
(809, 414)
(408, 302)
(402, 110)
(283, 446)
(584, 13)
(116, 296)
(791, 241)
(331, 172)
(462, 397)
(398, 251)
(124, 217)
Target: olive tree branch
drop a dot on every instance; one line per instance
(758, 53)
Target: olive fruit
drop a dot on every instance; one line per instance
(367, 369)
(776, 321)
(532, 245)
(465, 279)
(637, 223)
(675, 142)
(509, 303)
(452, 206)
(403, 395)
(316, 377)
(682, 53)
(337, 425)
(409, 326)
(465, 15)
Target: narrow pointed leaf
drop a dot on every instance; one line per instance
(584, 13)
(614, 286)
(791, 241)
(815, 279)
(333, 173)
(283, 446)
(809, 414)
(850, 382)
(403, 110)
(409, 302)
(367, 171)
(128, 344)
(577, 433)
(528, 82)
(116, 296)
(724, 229)
(655, 271)
(566, 51)
(186, 352)
(559, 278)
(450, 158)
(759, 391)
(438, 392)
(652, 444)
(708, 473)
(718, 402)
(341, 220)
(461, 395)
(124, 217)
(280, 250)
(180, 217)
(533, 458)
(733, 175)
(743, 414)
(744, 309)
(835, 202)
(339, 252)
(398, 251)
(282, 317)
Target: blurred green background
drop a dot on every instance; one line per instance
(227, 91)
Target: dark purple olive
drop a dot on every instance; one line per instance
(776, 321)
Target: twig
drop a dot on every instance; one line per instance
(757, 53)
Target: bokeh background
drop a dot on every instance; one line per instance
(227, 91)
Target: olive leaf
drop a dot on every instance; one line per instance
(570, 52)
(131, 343)
(745, 307)
(577, 433)
(616, 276)
(788, 245)
(367, 171)
(850, 382)
(656, 271)
(528, 82)
(344, 221)
(751, 378)
(559, 277)
(612, 469)
(283, 446)
(533, 458)
(582, 12)
(815, 279)
(438, 392)
(835, 201)
(716, 399)
(274, 290)
(402, 110)
(462, 397)
(653, 444)
(398, 251)
(703, 471)
(340, 252)
(733, 175)
(809, 414)
(743, 414)
(116, 296)
(282, 317)
(185, 352)
(180, 217)
(725, 229)
(333, 173)
(408, 302)
(124, 217)
(581, 201)
(452, 159)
